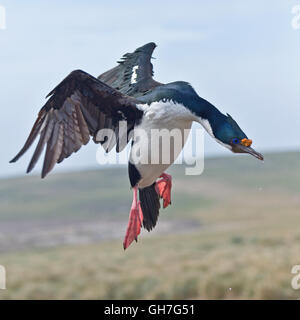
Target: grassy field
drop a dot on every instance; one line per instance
(231, 233)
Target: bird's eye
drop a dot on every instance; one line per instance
(235, 141)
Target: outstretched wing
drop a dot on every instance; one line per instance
(134, 74)
(79, 107)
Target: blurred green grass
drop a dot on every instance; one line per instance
(246, 243)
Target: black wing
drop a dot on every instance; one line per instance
(78, 108)
(134, 74)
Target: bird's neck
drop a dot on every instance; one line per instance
(208, 115)
(210, 118)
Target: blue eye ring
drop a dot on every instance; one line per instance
(235, 141)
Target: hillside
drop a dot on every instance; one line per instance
(233, 232)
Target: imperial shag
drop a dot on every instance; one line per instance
(81, 106)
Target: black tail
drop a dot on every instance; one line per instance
(150, 206)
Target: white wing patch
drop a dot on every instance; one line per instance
(134, 74)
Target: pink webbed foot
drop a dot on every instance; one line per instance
(163, 187)
(135, 221)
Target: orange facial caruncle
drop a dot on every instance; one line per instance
(246, 142)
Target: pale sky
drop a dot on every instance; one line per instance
(242, 56)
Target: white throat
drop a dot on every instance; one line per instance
(206, 125)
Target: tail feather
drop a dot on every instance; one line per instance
(150, 206)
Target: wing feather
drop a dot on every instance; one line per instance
(82, 125)
(134, 74)
(32, 136)
(54, 149)
(44, 137)
(78, 108)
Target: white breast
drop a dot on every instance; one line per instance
(159, 118)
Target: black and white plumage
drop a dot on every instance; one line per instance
(134, 74)
(81, 106)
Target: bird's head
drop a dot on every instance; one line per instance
(232, 136)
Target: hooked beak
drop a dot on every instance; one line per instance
(239, 148)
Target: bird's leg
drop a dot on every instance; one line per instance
(135, 221)
(163, 188)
